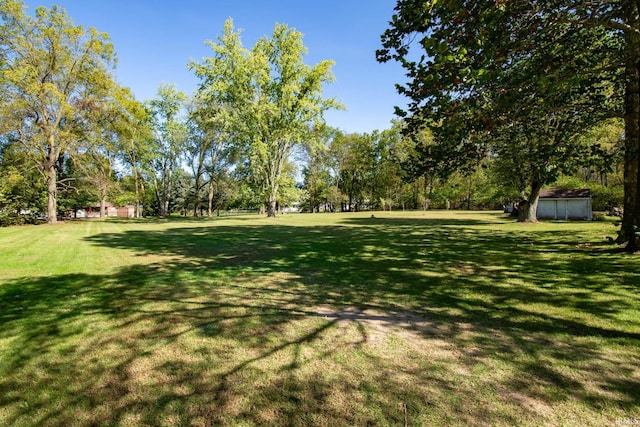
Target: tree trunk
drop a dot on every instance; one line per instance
(141, 205)
(52, 184)
(210, 198)
(527, 208)
(165, 198)
(271, 203)
(631, 216)
(157, 190)
(198, 177)
(164, 192)
(136, 184)
(103, 202)
(634, 238)
(196, 203)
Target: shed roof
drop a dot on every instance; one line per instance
(583, 193)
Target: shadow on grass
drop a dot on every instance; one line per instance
(244, 216)
(275, 324)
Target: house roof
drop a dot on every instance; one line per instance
(583, 193)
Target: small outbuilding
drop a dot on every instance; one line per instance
(565, 204)
(126, 211)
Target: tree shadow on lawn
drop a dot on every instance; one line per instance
(184, 219)
(441, 323)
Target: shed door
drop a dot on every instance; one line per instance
(562, 209)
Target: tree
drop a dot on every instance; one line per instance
(221, 189)
(415, 163)
(181, 188)
(268, 98)
(317, 178)
(207, 149)
(171, 135)
(51, 73)
(352, 161)
(134, 140)
(394, 187)
(96, 159)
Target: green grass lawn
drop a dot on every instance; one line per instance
(443, 318)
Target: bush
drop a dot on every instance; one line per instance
(7, 219)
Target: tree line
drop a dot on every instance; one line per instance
(505, 98)
(67, 120)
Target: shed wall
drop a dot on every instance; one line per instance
(564, 209)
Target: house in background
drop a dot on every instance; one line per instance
(565, 204)
(111, 210)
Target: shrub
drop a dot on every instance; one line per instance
(7, 219)
(602, 198)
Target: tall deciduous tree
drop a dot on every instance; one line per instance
(316, 172)
(134, 139)
(171, 135)
(269, 99)
(51, 73)
(103, 128)
(353, 161)
(207, 150)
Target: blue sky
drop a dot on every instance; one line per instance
(155, 39)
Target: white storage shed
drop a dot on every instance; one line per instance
(565, 204)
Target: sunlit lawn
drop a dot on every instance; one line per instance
(441, 318)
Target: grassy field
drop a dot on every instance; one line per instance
(443, 318)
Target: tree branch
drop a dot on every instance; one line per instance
(609, 23)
